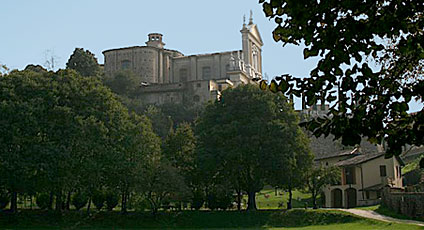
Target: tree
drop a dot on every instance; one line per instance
(123, 83)
(162, 124)
(346, 37)
(84, 62)
(241, 136)
(295, 165)
(320, 176)
(139, 146)
(161, 183)
(60, 132)
(179, 149)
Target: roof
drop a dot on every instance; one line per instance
(360, 159)
(413, 151)
(138, 47)
(337, 154)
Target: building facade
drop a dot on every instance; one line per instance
(169, 76)
(363, 176)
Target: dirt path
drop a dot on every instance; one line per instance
(373, 215)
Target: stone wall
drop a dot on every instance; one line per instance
(406, 203)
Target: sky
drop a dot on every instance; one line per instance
(32, 31)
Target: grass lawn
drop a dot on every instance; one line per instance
(294, 219)
(267, 199)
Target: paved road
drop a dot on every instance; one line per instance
(373, 215)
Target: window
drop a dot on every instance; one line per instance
(367, 195)
(350, 175)
(125, 64)
(183, 75)
(196, 98)
(206, 72)
(199, 85)
(383, 171)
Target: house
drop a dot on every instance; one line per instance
(362, 177)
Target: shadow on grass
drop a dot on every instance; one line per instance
(185, 219)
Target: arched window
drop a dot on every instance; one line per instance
(125, 64)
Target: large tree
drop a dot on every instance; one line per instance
(84, 62)
(348, 38)
(63, 133)
(243, 135)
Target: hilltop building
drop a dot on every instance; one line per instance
(169, 76)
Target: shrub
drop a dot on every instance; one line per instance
(112, 200)
(79, 200)
(4, 199)
(99, 199)
(43, 201)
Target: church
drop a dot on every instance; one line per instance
(169, 76)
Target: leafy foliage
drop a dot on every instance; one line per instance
(243, 138)
(64, 132)
(43, 201)
(84, 62)
(319, 177)
(112, 200)
(4, 199)
(179, 149)
(79, 200)
(99, 198)
(220, 197)
(346, 37)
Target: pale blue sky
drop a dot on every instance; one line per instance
(29, 28)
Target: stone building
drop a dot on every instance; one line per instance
(169, 76)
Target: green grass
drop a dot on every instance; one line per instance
(267, 199)
(294, 219)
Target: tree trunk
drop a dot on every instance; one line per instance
(51, 201)
(68, 201)
(239, 200)
(14, 202)
(251, 203)
(30, 200)
(124, 202)
(59, 201)
(314, 199)
(89, 205)
(289, 204)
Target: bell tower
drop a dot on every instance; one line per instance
(252, 45)
(155, 40)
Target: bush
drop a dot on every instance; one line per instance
(79, 200)
(43, 201)
(4, 199)
(99, 199)
(112, 200)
